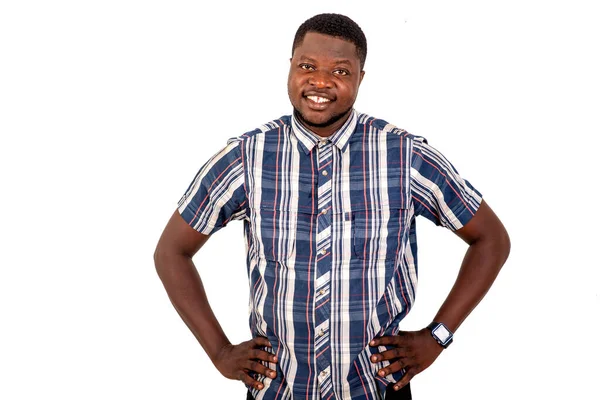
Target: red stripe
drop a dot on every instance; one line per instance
(365, 245)
(401, 285)
(274, 231)
(361, 380)
(278, 343)
(402, 185)
(324, 255)
(321, 353)
(402, 188)
(322, 304)
(425, 205)
(275, 197)
(312, 166)
(244, 170)
(449, 184)
(210, 187)
(387, 305)
(401, 217)
(326, 164)
(381, 380)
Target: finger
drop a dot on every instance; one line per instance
(247, 379)
(394, 367)
(405, 379)
(396, 352)
(386, 340)
(397, 365)
(261, 341)
(262, 355)
(260, 368)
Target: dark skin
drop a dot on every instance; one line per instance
(324, 78)
(489, 246)
(173, 259)
(328, 68)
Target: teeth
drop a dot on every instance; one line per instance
(318, 99)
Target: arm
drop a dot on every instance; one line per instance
(489, 246)
(173, 259)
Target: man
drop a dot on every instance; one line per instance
(328, 197)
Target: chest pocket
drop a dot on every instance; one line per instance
(378, 232)
(286, 234)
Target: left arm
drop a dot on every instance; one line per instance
(489, 246)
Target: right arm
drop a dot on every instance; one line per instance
(173, 259)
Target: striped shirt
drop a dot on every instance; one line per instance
(331, 242)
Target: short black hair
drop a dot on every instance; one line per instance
(336, 25)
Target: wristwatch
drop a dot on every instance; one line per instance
(441, 334)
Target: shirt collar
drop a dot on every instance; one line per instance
(308, 140)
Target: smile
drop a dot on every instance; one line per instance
(318, 99)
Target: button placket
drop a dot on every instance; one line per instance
(322, 292)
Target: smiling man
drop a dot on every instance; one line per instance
(329, 198)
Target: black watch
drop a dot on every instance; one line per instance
(441, 334)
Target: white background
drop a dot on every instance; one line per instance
(107, 110)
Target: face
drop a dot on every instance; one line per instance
(323, 82)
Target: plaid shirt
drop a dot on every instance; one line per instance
(331, 242)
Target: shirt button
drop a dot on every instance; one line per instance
(322, 292)
(323, 373)
(324, 173)
(323, 252)
(321, 333)
(324, 211)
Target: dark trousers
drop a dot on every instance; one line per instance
(390, 393)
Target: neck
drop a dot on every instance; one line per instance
(326, 129)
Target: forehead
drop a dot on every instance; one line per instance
(320, 46)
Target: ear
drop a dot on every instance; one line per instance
(362, 75)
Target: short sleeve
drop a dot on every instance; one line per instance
(439, 193)
(217, 193)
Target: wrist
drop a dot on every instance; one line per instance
(218, 353)
(441, 334)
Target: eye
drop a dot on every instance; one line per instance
(341, 72)
(307, 67)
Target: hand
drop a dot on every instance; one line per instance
(236, 361)
(414, 351)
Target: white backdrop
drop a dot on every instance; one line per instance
(107, 110)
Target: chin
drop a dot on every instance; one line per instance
(316, 121)
(319, 123)
(314, 117)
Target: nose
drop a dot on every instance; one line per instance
(320, 79)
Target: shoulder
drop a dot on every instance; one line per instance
(383, 127)
(266, 129)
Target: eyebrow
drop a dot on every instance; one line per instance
(339, 61)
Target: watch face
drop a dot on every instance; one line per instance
(442, 333)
